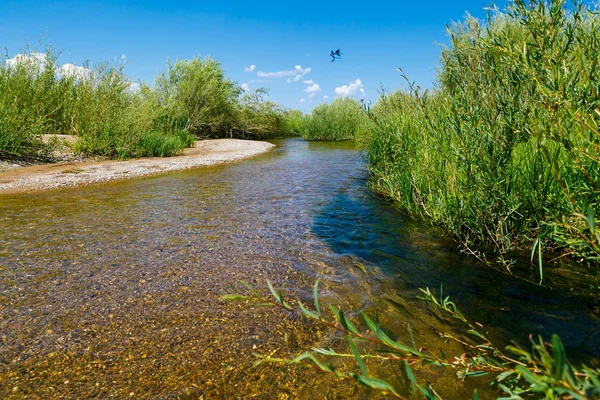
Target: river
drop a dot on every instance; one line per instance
(115, 290)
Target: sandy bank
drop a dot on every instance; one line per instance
(53, 176)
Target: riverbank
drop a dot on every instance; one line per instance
(67, 174)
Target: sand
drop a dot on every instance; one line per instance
(67, 174)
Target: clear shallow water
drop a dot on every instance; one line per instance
(115, 289)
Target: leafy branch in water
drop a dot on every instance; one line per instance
(543, 370)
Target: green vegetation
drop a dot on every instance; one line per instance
(99, 104)
(193, 96)
(343, 119)
(294, 123)
(28, 103)
(517, 373)
(505, 152)
(260, 119)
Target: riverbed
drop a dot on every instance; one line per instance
(114, 290)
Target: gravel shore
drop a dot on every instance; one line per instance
(53, 176)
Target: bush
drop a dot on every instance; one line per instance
(505, 153)
(97, 103)
(343, 119)
(260, 119)
(30, 102)
(294, 123)
(194, 96)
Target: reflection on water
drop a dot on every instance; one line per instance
(114, 289)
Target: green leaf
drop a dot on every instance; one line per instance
(519, 351)
(348, 325)
(377, 384)
(536, 384)
(412, 338)
(307, 312)
(559, 359)
(476, 373)
(278, 297)
(314, 360)
(325, 352)
(372, 326)
(593, 376)
(234, 297)
(381, 335)
(504, 375)
(590, 220)
(411, 377)
(475, 333)
(316, 297)
(359, 360)
(250, 287)
(272, 289)
(538, 245)
(335, 311)
(428, 393)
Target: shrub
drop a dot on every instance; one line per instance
(194, 96)
(505, 152)
(343, 119)
(260, 119)
(30, 94)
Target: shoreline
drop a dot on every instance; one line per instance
(83, 173)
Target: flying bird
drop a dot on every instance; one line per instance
(335, 55)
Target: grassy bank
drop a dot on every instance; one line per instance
(505, 152)
(343, 119)
(114, 117)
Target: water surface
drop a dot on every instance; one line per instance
(114, 290)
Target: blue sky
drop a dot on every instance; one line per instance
(287, 42)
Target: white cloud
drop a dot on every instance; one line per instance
(134, 87)
(34, 58)
(294, 75)
(75, 71)
(245, 87)
(350, 89)
(310, 96)
(312, 89)
(123, 57)
(40, 61)
(295, 80)
(302, 100)
(308, 82)
(250, 68)
(325, 97)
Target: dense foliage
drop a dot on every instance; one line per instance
(505, 152)
(115, 117)
(343, 119)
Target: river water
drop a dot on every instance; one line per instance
(115, 290)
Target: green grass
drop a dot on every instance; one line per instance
(505, 152)
(156, 144)
(189, 99)
(343, 119)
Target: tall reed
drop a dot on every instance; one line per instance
(343, 119)
(100, 105)
(505, 152)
